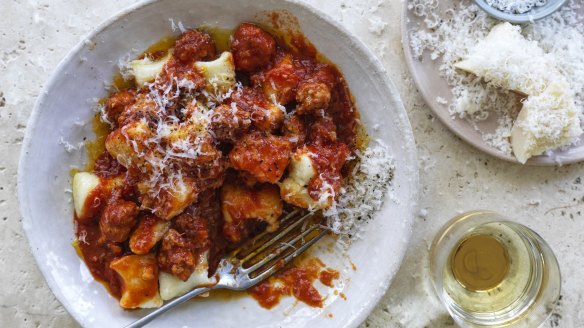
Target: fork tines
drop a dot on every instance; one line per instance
(269, 252)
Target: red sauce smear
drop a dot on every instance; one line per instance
(327, 277)
(98, 256)
(296, 281)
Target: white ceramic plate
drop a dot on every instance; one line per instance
(67, 100)
(431, 85)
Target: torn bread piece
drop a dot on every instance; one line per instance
(549, 117)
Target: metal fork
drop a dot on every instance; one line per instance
(257, 259)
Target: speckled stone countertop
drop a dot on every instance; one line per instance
(36, 35)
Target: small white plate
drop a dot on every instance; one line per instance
(427, 77)
(67, 100)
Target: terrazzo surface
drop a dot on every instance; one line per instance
(454, 177)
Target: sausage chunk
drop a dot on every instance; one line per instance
(193, 224)
(176, 255)
(117, 103)
(194, 232)
(313, 98)
(280, 81)
(107, 167)
(117, 220)
(194, 45)
(252, 48)
(143, 107)
(264, 115)
(229, 122)
(265, 157)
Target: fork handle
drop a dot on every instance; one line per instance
(161, 310)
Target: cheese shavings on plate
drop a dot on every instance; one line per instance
(446, 33)
(515, 6)
(549, 117)
(364, 194)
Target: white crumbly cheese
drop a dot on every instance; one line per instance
(441, 101)
(376, 25)
(177, 26)
(68, 146)
(500, 138)
(515, 6)
(548, 119)
(124, 64)
(448, 35)
(509, 61)
(365, 192)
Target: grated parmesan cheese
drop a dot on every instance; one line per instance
(364, 193)
(172, 139)
(177, 26)
(124, 65)
(69, 147)
(447, 33)
(441, 101)
(548, 118)
(515, 6)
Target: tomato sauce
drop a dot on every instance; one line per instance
(98, 256)
(297, 281)
(327, 277)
